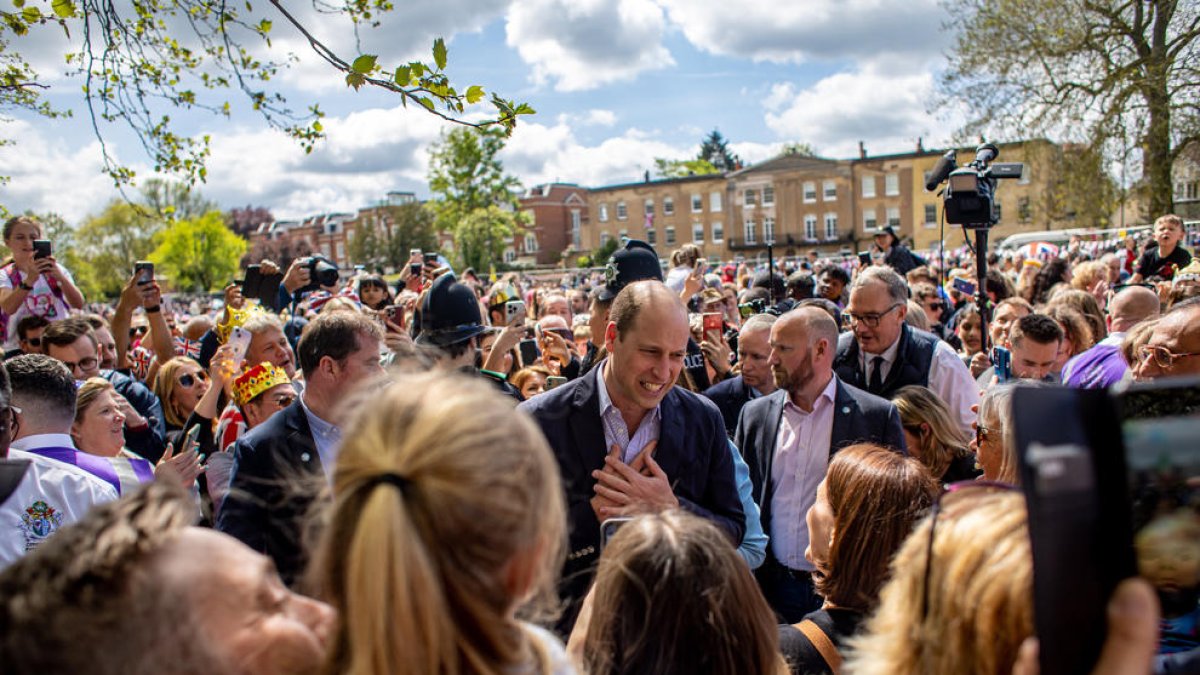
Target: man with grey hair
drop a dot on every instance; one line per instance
(753, 350)
(881, 353)
(788, 438)
(1103, 364)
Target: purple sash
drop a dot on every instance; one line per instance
(104, 468)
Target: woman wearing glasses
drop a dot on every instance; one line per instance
(995, 452)
(179, 385)
(866, 506)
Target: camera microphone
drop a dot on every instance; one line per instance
(985, 153)
(940, 170)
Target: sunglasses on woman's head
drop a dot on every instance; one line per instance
(188, 380)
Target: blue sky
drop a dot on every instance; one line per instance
(616, 83)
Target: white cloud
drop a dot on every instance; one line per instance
(583, 44)
(538, 153)
(801, 30)
(885, 109)
(597, 117)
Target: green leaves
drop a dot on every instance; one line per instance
(475, 94)
(439, 53)
(364, 64)
(63, 9)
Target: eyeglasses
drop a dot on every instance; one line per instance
(137, 331)
(965, 487)
(936, 306)
(188, 380)
(1163, 357)
(284, 400)
(982, 433)
(871, 319)
(82, 364)
(33, 341)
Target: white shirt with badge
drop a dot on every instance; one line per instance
(49, 497)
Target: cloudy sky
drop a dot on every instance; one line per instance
(616, 83)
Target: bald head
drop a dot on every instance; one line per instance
(642, 297)
(815, 322)
(1130, 307)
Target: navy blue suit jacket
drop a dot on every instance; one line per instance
(730, 396)
(858, 417)
(276, 475)
(692, 450)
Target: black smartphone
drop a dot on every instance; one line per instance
(414, 269)
(431, 258)
(252, 285)
(143, 272)
(529, 351)
(42, 249)
(1112, 480)
(864, 258)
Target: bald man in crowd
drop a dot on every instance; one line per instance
(1103, 365)
(1174, 346)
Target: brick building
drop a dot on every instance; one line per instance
(557, 213)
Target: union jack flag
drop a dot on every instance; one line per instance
(186, 347)
(139, 360)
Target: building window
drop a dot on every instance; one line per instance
(830, 190)
(718, 233)
(576, 230)
(751, 199)
(603, 212)
(769, 195)
(831, 226)
(810, 227)
(893, 216)
(697, 233)
(531, 242)
(868, 186)
(749, 232)
(1024, 179)
(649, 207)
(668, 206)
(697, 204)
(869, 221)
(604, 239)
(810, 192)
(768, 230)
(510, 256)
(714, 202)
(931, 214)
(891, 184)
(624, 237)
(652, 236)
(622, 212)
(996, 210)
(670, 235)
(1023, 210)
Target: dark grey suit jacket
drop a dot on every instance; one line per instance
(277, 474)
(858, 417)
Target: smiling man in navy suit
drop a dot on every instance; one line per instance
(788, 438)
(629, 441)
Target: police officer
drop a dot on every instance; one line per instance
(451, 324)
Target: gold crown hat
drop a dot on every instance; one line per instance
(254, 381)
(236, 317)
(1189, 272)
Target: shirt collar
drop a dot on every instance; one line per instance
(605, 400)
(827, 395)
(889, 354)
(320, 428)
(43, 441)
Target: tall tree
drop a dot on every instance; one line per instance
(244, 221)
(200, 254)
(384, 238)
(715, 150)
(141, 61)
(172, 200)
(468, 182)
(114, 240)
(1083, 70)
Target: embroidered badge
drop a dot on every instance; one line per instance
(39, 521)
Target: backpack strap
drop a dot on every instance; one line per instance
(821, 641)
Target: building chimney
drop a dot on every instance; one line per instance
(862, 150)
(920, 145)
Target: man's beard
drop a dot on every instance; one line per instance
(796, 380)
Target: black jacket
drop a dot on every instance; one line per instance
(693, 451)
(730, 396)
(277, 475)
(913, 359)
(858, 417)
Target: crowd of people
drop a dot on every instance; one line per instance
(708, 468)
